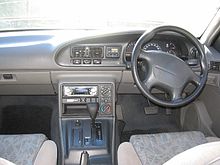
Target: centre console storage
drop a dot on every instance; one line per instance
(87, 114)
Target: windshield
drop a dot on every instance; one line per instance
(193, 15)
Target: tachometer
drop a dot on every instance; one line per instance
(151, 46)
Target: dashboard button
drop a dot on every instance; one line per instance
(97, 61)
(82, 99)
(77, 61)
(93, 100)
(74, 100)
(87, 61)
(88, 100)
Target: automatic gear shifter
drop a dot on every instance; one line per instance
(93, 110)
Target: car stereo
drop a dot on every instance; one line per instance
(82, 91)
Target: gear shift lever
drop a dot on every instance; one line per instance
(93, 109)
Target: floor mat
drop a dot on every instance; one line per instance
(137, 122)
(26, 119)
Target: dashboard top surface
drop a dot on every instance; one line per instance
(54, 50)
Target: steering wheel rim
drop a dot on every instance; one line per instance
(200, 81)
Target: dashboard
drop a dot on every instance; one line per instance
(119, 53)
(35, 62)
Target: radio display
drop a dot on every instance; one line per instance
(71, 91)
(81, 91)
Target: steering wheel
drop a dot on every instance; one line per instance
(166, 71)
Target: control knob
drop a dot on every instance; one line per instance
(105, 108)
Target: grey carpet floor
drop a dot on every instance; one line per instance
(19, 119)
(137, 122)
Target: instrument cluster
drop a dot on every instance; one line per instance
(189, 54)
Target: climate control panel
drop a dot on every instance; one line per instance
(105, 99)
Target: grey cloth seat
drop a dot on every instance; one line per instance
(156, 149)
(27, 149)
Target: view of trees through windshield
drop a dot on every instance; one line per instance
(194, 15)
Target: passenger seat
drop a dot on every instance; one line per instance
(27, 149)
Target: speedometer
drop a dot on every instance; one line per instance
(151, 46)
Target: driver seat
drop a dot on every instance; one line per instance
(180, 148)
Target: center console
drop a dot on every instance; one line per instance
(87, 122)
(76, 96)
